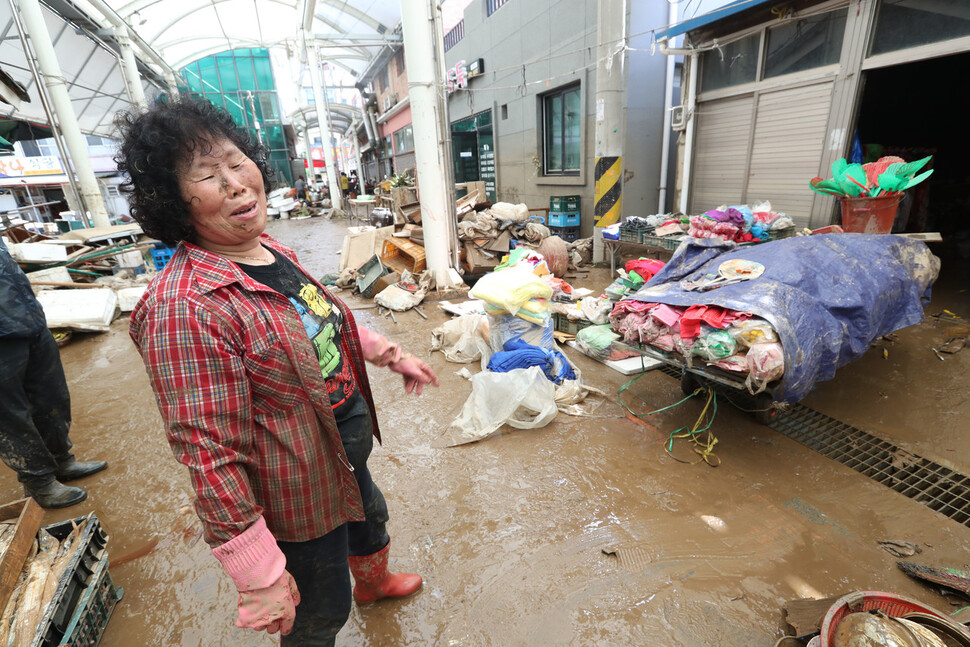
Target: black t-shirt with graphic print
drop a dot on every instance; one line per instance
(323, 323)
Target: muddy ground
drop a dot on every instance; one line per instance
(584, 532)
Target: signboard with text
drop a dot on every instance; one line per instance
(29, 166)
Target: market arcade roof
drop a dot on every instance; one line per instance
(168, 34)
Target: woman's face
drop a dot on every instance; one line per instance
(223, 190)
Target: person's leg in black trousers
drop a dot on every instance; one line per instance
(319, 568)
(35, 418)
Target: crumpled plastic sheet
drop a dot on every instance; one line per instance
(463, 339)
(827, 296)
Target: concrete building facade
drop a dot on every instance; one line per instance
(525, 120)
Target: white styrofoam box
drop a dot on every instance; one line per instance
(54, 274)
(87, 309)
(130, 259)
(38, 253)
(128, 298)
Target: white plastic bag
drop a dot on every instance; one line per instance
(511, 288)
(394, 298)
(766, 363)
(522, 398)
(463, 340)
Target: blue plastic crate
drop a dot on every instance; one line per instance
(161, 256)
(564, 219)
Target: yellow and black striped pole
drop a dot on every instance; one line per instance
(609, 190)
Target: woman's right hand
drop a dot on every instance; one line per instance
(416, 373)
(271, 609)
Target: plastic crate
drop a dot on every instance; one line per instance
(666, 242)
(57, 616)
(630, 235)
(564, 203)
(563, 219)
(400, 254)
(93, 609)
(368, 274)
(161, 256)
(568, 234)
(564, 324)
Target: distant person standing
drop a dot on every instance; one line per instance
(301, 189)
(35, 404)
(344, 183)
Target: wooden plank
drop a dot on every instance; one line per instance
(29, 516)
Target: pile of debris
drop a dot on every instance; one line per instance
(84, 276)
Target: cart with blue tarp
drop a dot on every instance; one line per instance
(828, 297)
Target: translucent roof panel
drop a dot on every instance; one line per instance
(90, 66)
(182, 31)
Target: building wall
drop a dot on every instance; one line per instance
(645, 114)
(554, 42)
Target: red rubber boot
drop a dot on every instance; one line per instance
(375, 582)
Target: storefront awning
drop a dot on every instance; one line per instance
(33, 180)
(729, 9)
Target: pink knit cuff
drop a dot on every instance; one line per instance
(377, 349)
(252, 559)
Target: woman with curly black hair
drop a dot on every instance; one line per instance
(259, 374)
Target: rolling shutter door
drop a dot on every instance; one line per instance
(721, 152)
(788, 144)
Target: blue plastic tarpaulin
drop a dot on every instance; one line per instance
(828, 296)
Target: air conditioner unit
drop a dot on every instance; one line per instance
(678, 118)
(389, 101)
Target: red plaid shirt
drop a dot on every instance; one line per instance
(239, 386)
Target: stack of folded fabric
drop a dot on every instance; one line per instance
(732, 340)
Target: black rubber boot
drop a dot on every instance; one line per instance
(73, 469)
(55, 495)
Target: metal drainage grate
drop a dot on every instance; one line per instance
(937, 487)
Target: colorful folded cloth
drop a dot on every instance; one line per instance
(518, 354)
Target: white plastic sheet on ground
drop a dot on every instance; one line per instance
(463, 340)
(522, 398)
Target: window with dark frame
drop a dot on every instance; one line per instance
(399, 61)
(561, 131)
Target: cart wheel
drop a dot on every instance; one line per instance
(687, 383)
(764, 412)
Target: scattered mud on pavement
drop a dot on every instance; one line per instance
(581, 533)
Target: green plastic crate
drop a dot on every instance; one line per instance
(665, 242)
(564, 203)
(94, 609)
(569, 326)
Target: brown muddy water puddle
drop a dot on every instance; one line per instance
(581, 533)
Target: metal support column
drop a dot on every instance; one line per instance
(610, 127)
(323, 122)
(132, 77)
(311, 179)
(425, 88)
(40, 38)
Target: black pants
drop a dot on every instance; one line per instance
(35, 408)
(319, 566)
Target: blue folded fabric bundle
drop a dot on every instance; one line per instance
(519, 354)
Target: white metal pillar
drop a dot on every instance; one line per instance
(427, 109)
(323, 122)
(672, 8)
(132, 77)
(360, 165)
(610, 126)
(308, 155)
(76, 145)
(691, 68)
